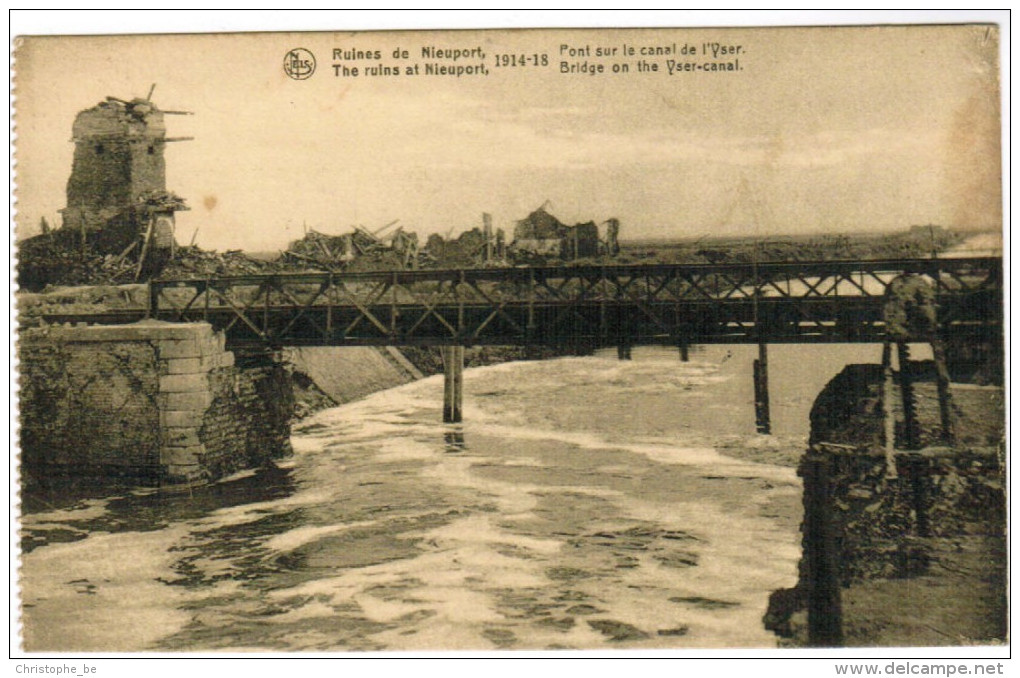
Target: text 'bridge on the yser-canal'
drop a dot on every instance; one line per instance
(584, 306)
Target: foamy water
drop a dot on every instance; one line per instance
(584, 503)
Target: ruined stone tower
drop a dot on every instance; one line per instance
(117, 188)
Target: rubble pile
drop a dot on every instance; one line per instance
(119, 219)
(68, 256)
(320, 249)
(119, 223)
(57, 258)
(541, 237)
(193, 262)
(358, 250)
(161, 200)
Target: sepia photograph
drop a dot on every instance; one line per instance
(545, 339)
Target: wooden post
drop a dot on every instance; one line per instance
(453, 383)
(624, 330)
(153, 310)
(173, 238)
(81, 225)
(888, 415)
(938, 350)
(531, 301)
(487, 234)
(916, 469)
(145, 247)
(762, 417)
(447, 353)
(458, 383)
(393, 305)
(911, 427)
(824, 604)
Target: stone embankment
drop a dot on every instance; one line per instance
(324, 377)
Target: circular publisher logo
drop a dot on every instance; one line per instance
(299, 63)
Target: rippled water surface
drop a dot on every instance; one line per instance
(584, 503)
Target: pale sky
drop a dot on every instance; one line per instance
(824, 130)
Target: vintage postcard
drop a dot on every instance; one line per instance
(539, 339)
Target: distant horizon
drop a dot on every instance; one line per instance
(623, 238)
(267, 253)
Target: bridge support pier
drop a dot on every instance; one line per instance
(453, 383)
(762, 417)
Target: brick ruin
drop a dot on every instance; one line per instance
(119, 214)
(542, 234)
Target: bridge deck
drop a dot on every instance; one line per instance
(820, 301)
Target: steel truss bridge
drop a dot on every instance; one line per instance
(582, 306)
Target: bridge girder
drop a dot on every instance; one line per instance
(833, 301)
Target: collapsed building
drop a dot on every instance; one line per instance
(357, 249)
(362, 249)
(541, 234)
(478, 246)
(119, 166)
(538, 238)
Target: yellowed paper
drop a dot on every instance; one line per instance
(663, 255)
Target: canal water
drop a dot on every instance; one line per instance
(584, 503)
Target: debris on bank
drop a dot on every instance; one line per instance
(398, 249)
(62, 257)
(193, 262)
